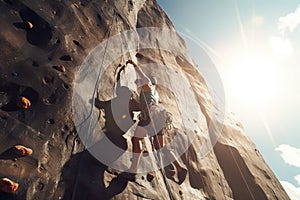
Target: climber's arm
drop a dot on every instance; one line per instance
(145, 79)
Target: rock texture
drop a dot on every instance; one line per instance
(43, 44)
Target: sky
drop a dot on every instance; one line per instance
(255, 46)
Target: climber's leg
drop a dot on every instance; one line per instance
(136, 140)
(158, 142)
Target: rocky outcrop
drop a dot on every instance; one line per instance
(44, 46)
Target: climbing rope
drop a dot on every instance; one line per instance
(90, 116)
(93, 99)
(159, 157)
(159, 160)
(99, 74)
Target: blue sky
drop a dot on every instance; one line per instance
(255, 45)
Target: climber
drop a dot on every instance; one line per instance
(149, 100)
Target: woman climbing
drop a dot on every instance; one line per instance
(151, 123)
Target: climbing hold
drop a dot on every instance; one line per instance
(22, 151)
(138, 55)
(150, 176)
(76, 42)
(41, 186)
(23, 102)
(14, 74)
(60, 68)
(48, 79)
(46, 101)
(29, 25)
(50, 121)
(66, 86)
(75, 5)
(8, 186)
(66, 58)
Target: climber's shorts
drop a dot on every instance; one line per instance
(158, 115)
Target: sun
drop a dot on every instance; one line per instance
(251, 79)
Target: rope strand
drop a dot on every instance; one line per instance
(93, 103)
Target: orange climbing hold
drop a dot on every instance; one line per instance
(23, 102)
(22, 151)
(60, 68)
(29, 25)
(8, 186)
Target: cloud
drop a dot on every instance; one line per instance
(289, 154)
(291, 190)
(281, 46)
(290, 21)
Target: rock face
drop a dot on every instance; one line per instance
(36, 37)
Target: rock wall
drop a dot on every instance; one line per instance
(43, 45)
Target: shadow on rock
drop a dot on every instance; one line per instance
(9, 154)
(39, 32)
(84, 178)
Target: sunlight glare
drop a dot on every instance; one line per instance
(252, 79)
